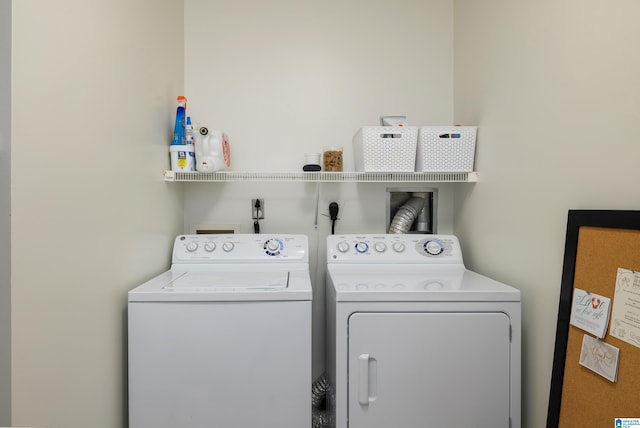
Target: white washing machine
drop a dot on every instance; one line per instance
(223, 338)
(417, 340)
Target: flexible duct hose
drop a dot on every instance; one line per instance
(319, 390)
(406, 215)
(320, 419)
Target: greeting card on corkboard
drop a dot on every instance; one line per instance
(598, 245)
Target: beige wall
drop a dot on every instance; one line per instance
(112, 70)
(286, 77)
(93, 92)
(554, 87)
(5, 211)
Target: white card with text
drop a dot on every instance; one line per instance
(590, 312)
(625, 318)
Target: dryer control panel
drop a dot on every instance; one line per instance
(240, 248)
(394, 248)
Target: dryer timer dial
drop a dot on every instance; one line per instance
(433, 247)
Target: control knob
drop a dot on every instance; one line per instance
(228, 246)
(398, 247)
(362, 247)
(192, 246)
(272, 245)
(434, 247)
(343, 246)
(380, 247)
(209, 246)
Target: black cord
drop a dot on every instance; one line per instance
(256, 224)
(333, 214)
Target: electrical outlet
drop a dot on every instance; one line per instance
(257, 213)
(340, 203)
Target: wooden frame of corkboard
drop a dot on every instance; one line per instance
(598, 242)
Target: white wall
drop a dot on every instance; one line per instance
(285, 77)
(93, 107)
(554, 87)
(5, 212)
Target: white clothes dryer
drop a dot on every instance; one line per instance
(417, 340)
(223, 338)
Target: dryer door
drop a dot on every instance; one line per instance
(429, 370)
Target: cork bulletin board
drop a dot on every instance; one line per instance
(598, 244)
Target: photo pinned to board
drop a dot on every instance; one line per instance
(600, 357)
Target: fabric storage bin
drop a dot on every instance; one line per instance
(385, 148)
(446, 148)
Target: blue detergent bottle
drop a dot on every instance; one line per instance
(179, 129)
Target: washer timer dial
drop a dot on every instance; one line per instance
(273, 247)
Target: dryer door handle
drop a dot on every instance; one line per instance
(367, 373)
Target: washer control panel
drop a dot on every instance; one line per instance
(236, 248)
(394, 248)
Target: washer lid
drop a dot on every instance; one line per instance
(226, 281)
(230, 283)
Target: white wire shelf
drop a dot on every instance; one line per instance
(344, 177)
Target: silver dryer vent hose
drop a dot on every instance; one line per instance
(319, 390)
(406, 215)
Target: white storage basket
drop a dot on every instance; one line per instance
(446, 148)
(385, 148)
